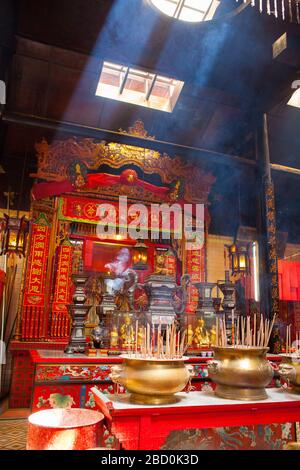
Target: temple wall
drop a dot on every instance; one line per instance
(215, 256)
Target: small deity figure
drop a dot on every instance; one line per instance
(127, 332)
(160, 262)
(122, 301)
(190, 335)
(142, 301)
(199, 333)
(213, 336)
(97, 337)
(141, 336)
(206, 339)
(114, 337)
(94, 299)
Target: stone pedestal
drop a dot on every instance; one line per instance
(78, 311)
(228, 289)
(163, 304)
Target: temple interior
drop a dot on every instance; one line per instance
(149, 225)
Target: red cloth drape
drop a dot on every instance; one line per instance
(289, 280)
(93, 180)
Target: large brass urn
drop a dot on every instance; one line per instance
(152, 381)
(241, 373)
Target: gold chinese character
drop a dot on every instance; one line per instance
(41, 228)
(37, 272)
(34, 289)
(39, 245)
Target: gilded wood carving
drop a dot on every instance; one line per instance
(56, 160)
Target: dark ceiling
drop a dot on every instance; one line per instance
(51, 56)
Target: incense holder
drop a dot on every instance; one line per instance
(152, 381)
(240, 373)
(289, 370)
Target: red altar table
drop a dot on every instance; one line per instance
(139, 427)
(42, 369)
(64, 379)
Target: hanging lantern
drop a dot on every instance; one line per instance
(14, 233)
(239, 258)
(140, 256)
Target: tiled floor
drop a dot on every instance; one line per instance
(13, 434)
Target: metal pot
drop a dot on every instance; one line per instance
(289, 370)
(241, 373)
(152, 381)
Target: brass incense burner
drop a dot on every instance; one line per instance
(289, 370)
(241, 373)
(152, 381)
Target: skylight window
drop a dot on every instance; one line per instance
(131, 85)
(188, 10)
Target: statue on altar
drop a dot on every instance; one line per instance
(201, 337)
(127, 332)
(213, 336)
(94, 295)
(160, 263)
(114, 337)
(141, 336)
(125, 297)
(190, 335)
(96, 336)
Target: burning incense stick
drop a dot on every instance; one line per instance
(152, 344)
(244, 335)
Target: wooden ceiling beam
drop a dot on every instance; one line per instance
(113, 136)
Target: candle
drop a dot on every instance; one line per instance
(243, 330)
(167, 342)
(136, 336)
(153, 339)
(158, 341)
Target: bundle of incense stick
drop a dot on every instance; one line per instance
(156, 344)
(288, 342)
(243, 333)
